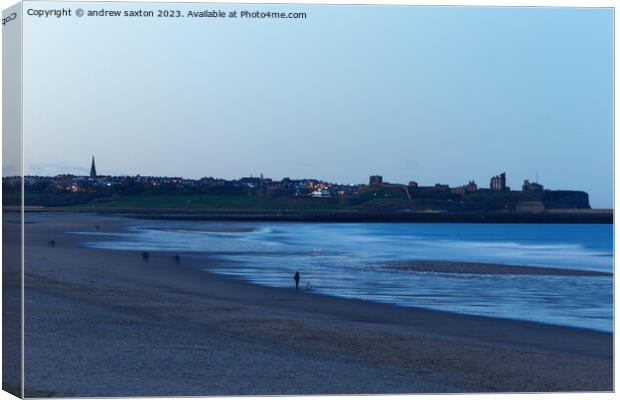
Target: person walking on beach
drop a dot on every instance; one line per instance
(296, 280)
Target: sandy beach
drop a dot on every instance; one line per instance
(108, 323)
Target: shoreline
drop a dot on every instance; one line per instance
(559, 216)
(415, 309)
(198, 263)
(406, 350)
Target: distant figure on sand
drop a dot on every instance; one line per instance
(296, 280)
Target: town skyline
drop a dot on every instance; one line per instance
(497, 182)
(375, 193)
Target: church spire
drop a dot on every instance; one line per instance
(93, 170)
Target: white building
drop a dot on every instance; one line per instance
(321, 193)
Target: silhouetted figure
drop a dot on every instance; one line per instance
(145, 256)
(97, 227)
(296, 280)
(177, 259)
(52, 243)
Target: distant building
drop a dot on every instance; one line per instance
(498, 183)
(93, 170)
(251, 182)
(375, 180)
(463, 190)
(532, 186)
(413, 184)
(441, 187)
(311, 184)
(321, 193)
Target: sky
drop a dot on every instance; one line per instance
(431, 94)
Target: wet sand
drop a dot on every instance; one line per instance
(107, 323)
(452, 267)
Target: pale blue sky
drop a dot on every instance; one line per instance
(413, 93)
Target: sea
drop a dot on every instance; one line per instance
(357, 260)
